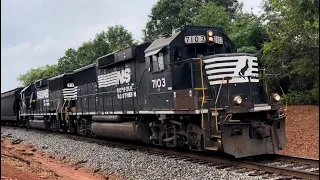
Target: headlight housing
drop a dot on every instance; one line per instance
(237, 100)
(210, 36)
(276, 97)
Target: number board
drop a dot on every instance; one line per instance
(194, 39)
(218, 39)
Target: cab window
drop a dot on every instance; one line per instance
(177, 54)
(157, 62)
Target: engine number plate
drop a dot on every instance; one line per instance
(194, 39)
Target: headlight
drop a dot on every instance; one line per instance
(210, 33)
(210, 38)
(276, 97)
(237, 100)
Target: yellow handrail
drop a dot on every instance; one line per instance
(67, 112)
(57, 109)
(286, 107)
(216, 117)
(203, 93)
(62, 108)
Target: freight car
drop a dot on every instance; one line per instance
(10, 106)
(187, 89)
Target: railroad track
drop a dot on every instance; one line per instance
(267, 166)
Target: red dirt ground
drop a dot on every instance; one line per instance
(302, 129)
(23, 162)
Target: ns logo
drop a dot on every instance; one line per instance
(124, 76)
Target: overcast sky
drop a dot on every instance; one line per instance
(37, 32)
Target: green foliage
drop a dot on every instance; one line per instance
(213, 15)
(85, 54)
(293, 50)
(32, 75)
(167, 15)
(248, 33)
(68, 61)
(118, 38)
(100, 45)
(248, 49)
(231, 6)
(114, 39)
(302, 98)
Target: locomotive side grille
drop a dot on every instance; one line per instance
(70, 93)
(105, 60)
(236, 67)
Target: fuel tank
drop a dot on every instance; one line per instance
(132, 131)
(38, 124)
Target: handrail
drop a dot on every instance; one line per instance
(286, 107)
(215, 107)
(67, 112)
(215, 104)
(57, 109)
(203, 93)
(222, 83)
(62, 108)
(217, 97)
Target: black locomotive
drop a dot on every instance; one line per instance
(188, 89)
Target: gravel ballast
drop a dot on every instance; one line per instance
(124, 163)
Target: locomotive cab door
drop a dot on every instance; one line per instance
(159, 82)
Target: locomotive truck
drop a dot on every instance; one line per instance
(187, 89)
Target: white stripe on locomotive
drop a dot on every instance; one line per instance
(70, 93)
(220, 67)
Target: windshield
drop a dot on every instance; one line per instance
(200, 50)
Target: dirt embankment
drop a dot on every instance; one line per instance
(25, 162)
(302, 129)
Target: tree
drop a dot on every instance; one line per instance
(231, 6)
(100, 45)
(293, 50)
(213, 15)
(85, 54)
(119, 38)
(248, 33)
(68, 61)
(32, 75)
(114, 39)
(167, 15)
(246, 30)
